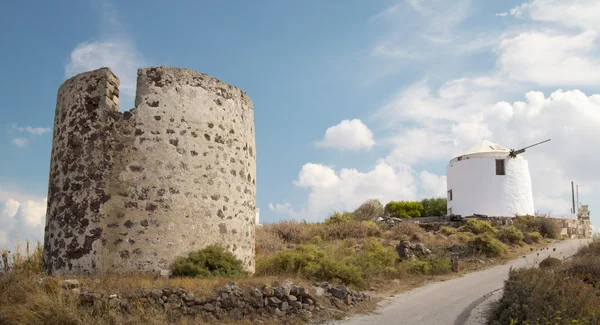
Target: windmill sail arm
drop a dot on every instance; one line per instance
(513, 153)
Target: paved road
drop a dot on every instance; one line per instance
(451, 302)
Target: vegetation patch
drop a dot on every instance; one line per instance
(478, 227)
(404, 209)
(510, 235)
(549, 263)
(485, 244)
(568, 295)
(212, 261)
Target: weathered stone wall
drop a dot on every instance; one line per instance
(130, 192)
(570, 228)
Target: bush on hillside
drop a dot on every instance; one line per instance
(485, 244)
(369, 210)
(478, 227)
(545, 226)
(532, 237)
(403, 230)
(292, 231)
(268, 241)
(550, 262)
(348, 229)
(211, 261)
(404, 209)
(462, 236)
(375, 259)
(532, 296)
(590, 251)
(311, 262)
(510, 235)
(434, 207)
(338, 217)
(430, 265)
(586, 269)
(447, 231)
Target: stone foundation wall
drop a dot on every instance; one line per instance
(570, 228)
(129, 192)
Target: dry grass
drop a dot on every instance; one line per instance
(362, 245)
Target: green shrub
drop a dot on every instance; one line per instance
(369, 210)
(431, 265)
(434, 207)
(338, 217)
(445, 230)
(532, 296)
(477, 227)
(532, 237)
(310, 262)
(404, 209)
(486, 244)
(375, 259)
(510, 235)
(550, 262)
(524, 223)
(463, 236)
(212, 261)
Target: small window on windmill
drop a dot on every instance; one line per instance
(500, 170)
(460, 158)
(450, 195)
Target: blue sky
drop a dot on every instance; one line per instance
(353, 99)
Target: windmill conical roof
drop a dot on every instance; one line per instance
(485, 148)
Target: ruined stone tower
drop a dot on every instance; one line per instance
(129, 192)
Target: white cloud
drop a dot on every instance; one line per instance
(417, 31)
(316, 175)
(31, 130)
(434, 185)
(10, 208)
(502, 14)
(115, 50)
(581, 14)
(3, 239)
(283, 210)
(348, 135)
(347, 189)
(20, 142)
(33, 213)
(551, 58)
(419, 144)
(22, 217)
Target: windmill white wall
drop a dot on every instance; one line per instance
(476, 188)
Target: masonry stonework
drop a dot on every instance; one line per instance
(129, 192)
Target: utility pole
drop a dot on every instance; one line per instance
(577, 194)
(573, 196)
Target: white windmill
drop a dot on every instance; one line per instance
(491, 180)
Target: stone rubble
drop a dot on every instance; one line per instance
(407, 250)
(283, 299)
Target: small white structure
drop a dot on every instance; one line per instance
(257, 216)
(486, 180)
